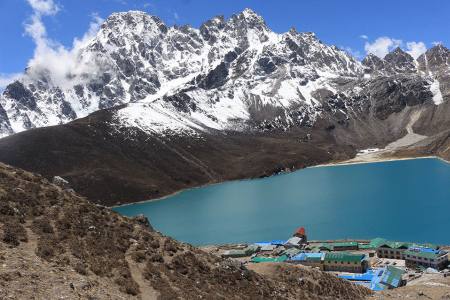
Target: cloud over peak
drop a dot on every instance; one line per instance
(383, 45)
(416, 49)
(50, 57)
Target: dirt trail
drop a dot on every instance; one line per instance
(147, 292)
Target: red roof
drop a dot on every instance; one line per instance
(300, 231)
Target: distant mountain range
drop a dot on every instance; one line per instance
(160, 108)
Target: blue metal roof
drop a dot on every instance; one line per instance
(371, 279)
(358, 277)
(425, 250)
(278, 242)
(263, 243)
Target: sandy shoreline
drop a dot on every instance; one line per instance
(361, 160)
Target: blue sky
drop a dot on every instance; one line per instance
(356, 25)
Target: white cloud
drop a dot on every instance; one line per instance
(415, 49)
(44, 7)
(35, 28)
(60, 64)
(6, 79)
(382, 46)
(437, 43)
(364, 37)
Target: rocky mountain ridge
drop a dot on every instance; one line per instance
(233, 74)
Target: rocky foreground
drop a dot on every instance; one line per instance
(55, 244)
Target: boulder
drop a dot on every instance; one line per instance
(143, 220)
(61, 182)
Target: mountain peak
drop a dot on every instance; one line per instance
(249, 13)
(438, 49)
(398, 50)
(132, 18)
(400, 60)
(309, 35)
(370, 59)
(249, 17)
(374, 63)
(436, 58)
(372, 56)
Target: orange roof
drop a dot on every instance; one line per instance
(301, 231)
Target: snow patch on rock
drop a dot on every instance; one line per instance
(437, 95)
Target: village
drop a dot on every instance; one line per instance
(377, 264)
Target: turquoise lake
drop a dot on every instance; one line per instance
(406, 200)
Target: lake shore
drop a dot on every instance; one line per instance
(303, 198)
(369, 158)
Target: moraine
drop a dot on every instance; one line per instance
(399, 200)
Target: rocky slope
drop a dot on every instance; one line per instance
(223, 72)
(182, 107)
(55, 244)
(233, 74)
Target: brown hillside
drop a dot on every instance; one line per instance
(55, 244)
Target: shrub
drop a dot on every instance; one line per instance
(126, 282)
(44, 250)
(81, 268)
(48, 247)
(42, 225)
(138, 256)
(14, 233)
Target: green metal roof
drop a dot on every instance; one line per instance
(373, 244)
(344, 257)
(429, 255)
(345, 244)
(326, 246)
(366, 246)
(376, 242)
(259, 259)
(428, 245)
(340, 244)
(397, 245)
(331, 246)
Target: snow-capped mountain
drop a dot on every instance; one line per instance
(233, 74)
